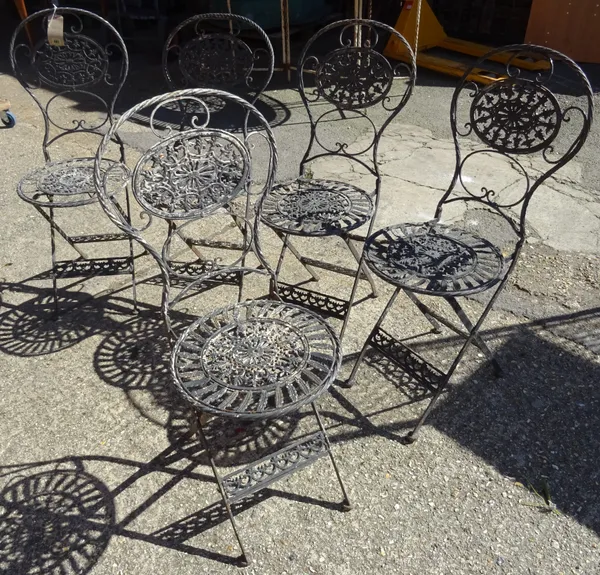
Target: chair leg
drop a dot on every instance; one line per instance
(477, 339)
(245, 559)
(351, 300)
(351, 380)
(437, 328)
(360, 261)
(53, 254)
(470, 340)
(346, 505)
(294, 251)
(132, 256)
(413, 435)
(362, 269)
(284, 248)
(133, 279)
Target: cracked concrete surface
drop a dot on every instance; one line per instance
(417, 168)
(89, 427)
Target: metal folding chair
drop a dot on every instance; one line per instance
(353, 82)
(517, 120)
(223, 52)
(87, 61)
(219, 51)
(253, 359)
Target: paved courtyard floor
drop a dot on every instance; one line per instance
(99, 472)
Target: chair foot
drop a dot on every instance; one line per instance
(498, 371)
(349, 383)
(345, 506)
(410, 438)
(244, 560)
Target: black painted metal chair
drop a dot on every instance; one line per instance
(353, 83)
(253, 359)
(223, 52)
(219, 51)
(517, 123)
(90, 68)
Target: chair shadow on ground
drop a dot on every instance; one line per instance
(32, 327)
(537, 423)
(229, 118)
(57, 517)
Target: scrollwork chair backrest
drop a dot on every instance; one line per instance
(350, 81)
(516, 125)
(185, 176)
(208, 51)
(92, 65)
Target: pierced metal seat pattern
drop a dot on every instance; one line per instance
(255, 359)
(91, 68)
(434, 259)
(69, 183)
(316, 207)
(515, 116)
(345, 85)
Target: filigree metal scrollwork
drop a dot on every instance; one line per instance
(431, 259)
(216, 56)
(354, 78)
(320, 303)
(411, 363)
(257, 476)
(215, 60)
(70, 183)
(92, 64)
(79, 63)
(516, 116)
(255, 359)
(88, 124)
(316, 207)
(191, 174)
(356, 75)
(367, 127)
(93, 267)
(487, 195)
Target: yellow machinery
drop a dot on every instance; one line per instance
(432, 35)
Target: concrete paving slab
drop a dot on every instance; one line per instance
(90, 429)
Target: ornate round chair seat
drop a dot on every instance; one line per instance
(255, 360)
(316, 207)
(434, 259)
(69, 183)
